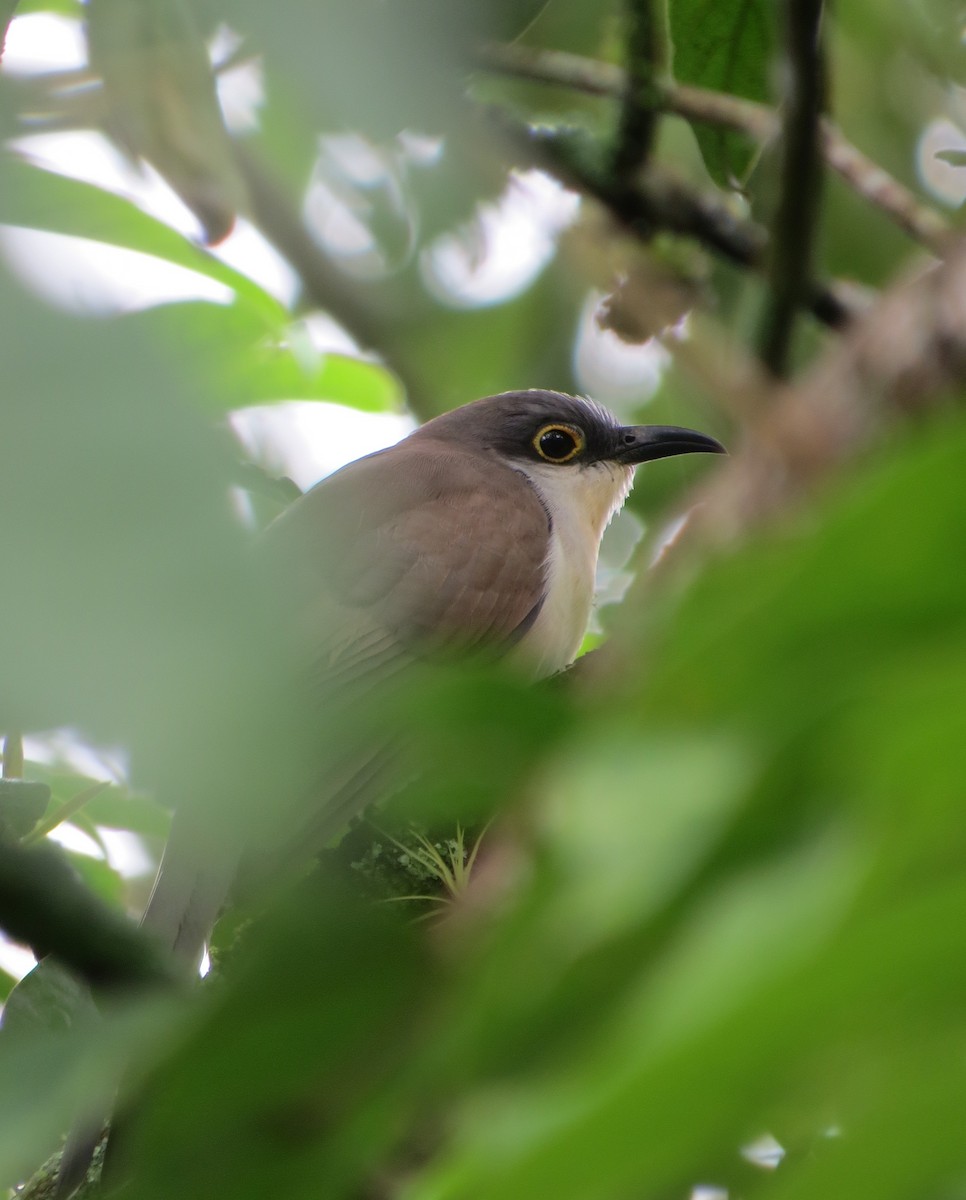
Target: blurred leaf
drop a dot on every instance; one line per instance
(241, 364)
(139, 814)
(7, 984)
(48, 998)
(471, 734)
(39, 199)
(162, 104)
(47, 1078)
(727, 46)
(101, 878)
(824, 626)
(378, 68)
(670, 798)
(68, 8)
(114, 807)
(22, 803)
(267, 1094)
(66, 811)
(132, 577)
(571, 25)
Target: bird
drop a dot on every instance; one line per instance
(477, 533)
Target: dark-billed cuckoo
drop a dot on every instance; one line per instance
(479, 530)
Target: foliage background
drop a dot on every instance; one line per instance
(722, 895)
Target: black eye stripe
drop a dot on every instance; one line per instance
(559, 443)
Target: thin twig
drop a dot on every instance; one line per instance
(870, 181)
(884, 192)
(793, 234)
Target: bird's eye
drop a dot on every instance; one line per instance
(559, 443)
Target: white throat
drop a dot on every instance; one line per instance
(581, 501)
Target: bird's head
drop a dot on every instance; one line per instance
(543, 429)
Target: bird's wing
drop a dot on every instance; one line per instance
(414, 549)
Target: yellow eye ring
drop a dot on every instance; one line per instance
(558, 443)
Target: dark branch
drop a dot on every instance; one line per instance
(660, 202)
(648, 69)
(558, 69)
(793, 236)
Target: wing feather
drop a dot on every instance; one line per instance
(419, 548)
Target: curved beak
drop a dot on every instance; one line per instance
(643, 443)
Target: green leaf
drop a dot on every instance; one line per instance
(157, 83)
(67, 8)
(114, 806)
(22, 803)
(129, 575)
(137, 814)
(48, 1079)
(95, 872)
(40, 199)
(302, 1064)
(727, 46)
(48, 998)
(243, 365)
(7, 984)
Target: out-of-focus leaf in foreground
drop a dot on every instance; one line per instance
(162, 104)
(131, 607)
(48, 1076)
(303, 1062)
(40, 199)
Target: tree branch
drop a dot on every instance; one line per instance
(660, 202)
(793, 234)
(646, 76)
(874, 185)
(903, 356)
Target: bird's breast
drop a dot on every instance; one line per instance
(580, 503)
